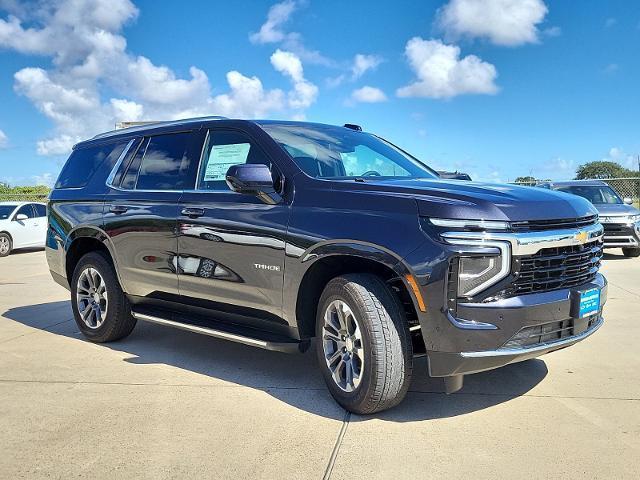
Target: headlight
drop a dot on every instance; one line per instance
(477, 273)
(470, 224)
(634, 218)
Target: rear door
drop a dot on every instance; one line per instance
(40, 223)
(231, 246)
(141, 211)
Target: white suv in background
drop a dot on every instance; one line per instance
(22, 225)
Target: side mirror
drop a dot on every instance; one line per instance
(253, 179)
(21, 217)
(628, 201)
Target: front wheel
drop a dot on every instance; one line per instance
(631, 252)
(363, 344)
(99, 305)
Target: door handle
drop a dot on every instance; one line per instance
(192, 212)
(118, 209)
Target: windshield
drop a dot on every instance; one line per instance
(6, 210)
(596, 194)
(324, 151)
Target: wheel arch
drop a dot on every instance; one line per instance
(83, 240)
(331, 260)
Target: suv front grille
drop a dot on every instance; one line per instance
(542, 225)
(556, 268)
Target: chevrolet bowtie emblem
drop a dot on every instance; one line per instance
(582, 237)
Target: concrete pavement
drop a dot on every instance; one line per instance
(165, 403)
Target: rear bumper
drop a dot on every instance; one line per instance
(485, 332)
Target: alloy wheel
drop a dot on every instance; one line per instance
(343, 346)
(4, 245)
(91, 295)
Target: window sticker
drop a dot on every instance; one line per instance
(221, 157)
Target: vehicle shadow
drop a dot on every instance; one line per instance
(295, 380)
(611, 256)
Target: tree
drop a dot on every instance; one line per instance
(602, 169)
(527, 179)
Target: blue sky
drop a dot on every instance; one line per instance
(496, 88)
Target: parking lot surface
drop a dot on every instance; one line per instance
(164, 403)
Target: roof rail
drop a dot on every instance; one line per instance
(148, 125)
(353, 126)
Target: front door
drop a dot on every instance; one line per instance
(231, 246)
(25, 232)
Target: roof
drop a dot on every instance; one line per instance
(571, 183)
(160, 127)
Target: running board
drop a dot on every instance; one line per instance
(228, 332)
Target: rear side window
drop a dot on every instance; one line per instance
(163, 162)
(84, 162)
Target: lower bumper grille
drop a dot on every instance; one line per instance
(547, 333)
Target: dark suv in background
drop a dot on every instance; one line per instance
(620, 219)
(272, 233)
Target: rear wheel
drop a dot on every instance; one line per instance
(100, 307)
(631, 252)
(5, 245)
(363, 344)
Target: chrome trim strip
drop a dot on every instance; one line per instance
(538, 348)
(470, 324)
(530, 243)
(415, 328)
(115, 168)
(203, 330)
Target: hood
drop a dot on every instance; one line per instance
(616, 210)
(476, 200)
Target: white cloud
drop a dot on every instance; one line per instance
(442, 73)
(611, 68)
(610, 22)
(271, 31)
(502, 22)
(45, 179)
(89, 53)
(304, 93)
(618, 155)
(360, 65)
(363, 63)
(558, 168)
(4, 140)
(368, 94)
(552, 31)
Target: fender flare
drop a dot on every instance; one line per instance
(94, 232)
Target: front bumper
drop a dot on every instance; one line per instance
(487, 348)
(621, 235)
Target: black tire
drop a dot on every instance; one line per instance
(631, 252)
(118, 322)
(386, 343)
(5, 237)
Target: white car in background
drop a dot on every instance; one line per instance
(22, 225)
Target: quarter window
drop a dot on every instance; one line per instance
(224, 149)
(84, 162)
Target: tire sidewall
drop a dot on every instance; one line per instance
(367, 382)
(10, 245)
(96, 261)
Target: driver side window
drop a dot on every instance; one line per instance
(25, 210)
(224, 149)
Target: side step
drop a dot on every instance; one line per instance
(225, 331)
